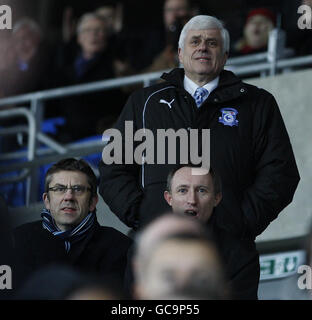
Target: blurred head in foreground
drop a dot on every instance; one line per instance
(177, 259)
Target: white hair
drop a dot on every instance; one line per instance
(85, 17)
(31, 24)
(203, 22)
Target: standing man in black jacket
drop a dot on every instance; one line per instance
(249, 144)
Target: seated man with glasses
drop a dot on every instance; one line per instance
(69, 232)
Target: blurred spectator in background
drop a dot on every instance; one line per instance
(175, 14)
(97, 111)
(69, 25)
(256, 31)
(29, 60)
(112, 14)
(154, 48)
(67, 46)
(28, 68)
(6, 56)
(162, 270)
(92, 36)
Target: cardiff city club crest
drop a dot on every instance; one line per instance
(228, 117)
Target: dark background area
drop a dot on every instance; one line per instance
(142, 13)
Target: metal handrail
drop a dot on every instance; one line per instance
(31, 139)
(43, 138)
(32, 127)
(82, 88)
(280, 64)
(257, 57)
(137, 79)
(74, 151)
(46, 151)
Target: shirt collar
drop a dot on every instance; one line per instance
(190, 86)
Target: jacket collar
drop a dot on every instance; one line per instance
(230, 86)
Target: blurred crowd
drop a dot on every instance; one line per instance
(98, 45)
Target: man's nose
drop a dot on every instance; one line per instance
(203, 46)
(69, 194)
(191, 197)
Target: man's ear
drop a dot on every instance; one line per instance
(93, 203)
(218, 198)
(46, 200)
(168, 197)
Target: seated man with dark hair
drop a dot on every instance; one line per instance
(69, 232)
(195, 192)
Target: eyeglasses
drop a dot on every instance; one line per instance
(76, 190)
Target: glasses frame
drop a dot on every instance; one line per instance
(72, 188)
